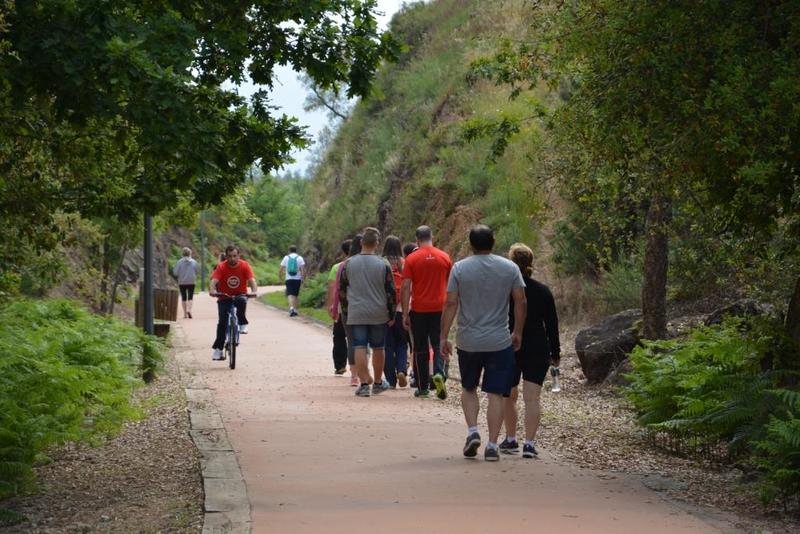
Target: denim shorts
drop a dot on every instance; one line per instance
(497, 368)
(368, 334)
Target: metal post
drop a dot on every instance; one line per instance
(147, 298)
(202, 253)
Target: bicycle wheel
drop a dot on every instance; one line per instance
(232, 334)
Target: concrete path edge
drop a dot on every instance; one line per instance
(226, 506)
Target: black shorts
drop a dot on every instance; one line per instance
(530, 367)
(293, 287)
(497, 368)
(187, 291)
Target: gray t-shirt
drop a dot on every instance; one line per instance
(186, 271)
(370, 290)
(484, 283)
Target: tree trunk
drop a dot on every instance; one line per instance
(792, 324)
(105, 274)
(654, 289)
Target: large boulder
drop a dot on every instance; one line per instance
(602, 347)
(740, 308)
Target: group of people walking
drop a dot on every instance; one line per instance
(404, 302)
(507, 327)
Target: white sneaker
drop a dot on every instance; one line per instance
(242, 328)
(217, 354)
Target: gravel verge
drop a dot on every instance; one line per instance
(144, 479)
(594, 427)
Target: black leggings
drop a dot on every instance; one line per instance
(339, 345)
(187, 291)
(426, 328)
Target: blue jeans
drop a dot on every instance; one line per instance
(396, 350)
(223, 306)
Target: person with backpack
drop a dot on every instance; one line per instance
(293, 271)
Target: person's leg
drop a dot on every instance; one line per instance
(494, 416)
(434, 334)
(471, 405)
(401, 344)
(339, 351)
(222, 323)
(510, 414)
(420, 334)
(183, 300)
(390, 357)
(377, 340)
(531, 395)
(351, 359)
(189, 300)
(361, 365)
(241, 310)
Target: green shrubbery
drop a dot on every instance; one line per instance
(65, 375)
(722, 385)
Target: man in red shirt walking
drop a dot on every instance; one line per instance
(231, 277)
(423, 295)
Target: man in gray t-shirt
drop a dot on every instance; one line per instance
(367, 297)
(479, 288)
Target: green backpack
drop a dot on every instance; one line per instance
(291, 266)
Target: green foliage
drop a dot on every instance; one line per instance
(278, 299)
(778, 455)
(65, 375)
(315, 291)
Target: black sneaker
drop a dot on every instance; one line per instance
(341, 371)
(423, 394)
(472, 444)
(490, 454)
(529, 451)
(509, 447)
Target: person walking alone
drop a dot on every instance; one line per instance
(367, 296)
(423, 295)
(540, 349)
(293, 271)
(231, 277)
(185, 271)
(479, 289)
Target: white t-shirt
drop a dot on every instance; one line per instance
(300, 263)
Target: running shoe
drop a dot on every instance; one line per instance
(354, 381)
(422, 394)
(509, 447)
(242, 328)
(438, 383)
(292, 313)
(412, 382)
(529, 451)
(341, 371)
(490, 454)
(471, 445)
(363, 391)
(217, 355)
(380, 388)
(189, 314)
(402, 381)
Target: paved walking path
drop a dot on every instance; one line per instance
(315, 458)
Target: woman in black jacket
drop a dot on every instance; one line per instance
(540, 349)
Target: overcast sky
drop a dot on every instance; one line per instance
(289, 94)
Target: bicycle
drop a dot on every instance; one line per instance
(232, 334)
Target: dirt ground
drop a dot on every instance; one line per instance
(145, 479)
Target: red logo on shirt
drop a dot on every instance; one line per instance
(233, 282)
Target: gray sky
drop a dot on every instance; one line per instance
(289, 94)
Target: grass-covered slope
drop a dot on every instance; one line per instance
(402, 160)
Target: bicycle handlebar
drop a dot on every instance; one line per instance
(221, 294)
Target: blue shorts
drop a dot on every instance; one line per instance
(497, 368)
(368, 334)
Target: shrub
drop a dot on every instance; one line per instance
(65, 375)
(778, 454)
(314, 291)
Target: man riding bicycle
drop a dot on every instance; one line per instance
(231, 278)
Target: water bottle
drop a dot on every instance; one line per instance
(554, 372)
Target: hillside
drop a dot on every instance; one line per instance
(402, 160)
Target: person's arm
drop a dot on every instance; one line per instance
(520, 311)
(253, 285)
(448, 315)
(281, 272)
(551, 329)
(175, 269)
(388, 287)
(405, 302)
(329, 298)
(343, 285)
(212, 287)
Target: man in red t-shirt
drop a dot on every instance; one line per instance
(231, 277)
(423, 295)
